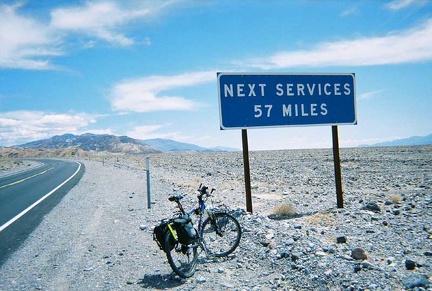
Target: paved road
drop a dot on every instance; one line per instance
(26, 197)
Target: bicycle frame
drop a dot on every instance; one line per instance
(199, 211)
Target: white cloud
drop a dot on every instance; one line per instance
(401, 4)
(24, 126)
(105, 20)
(370, 95)
(25, 42)
(412, 45)
(150, 132)
(99, 19)
(145, 94)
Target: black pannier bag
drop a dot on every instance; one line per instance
(185, 231)
(159, 233)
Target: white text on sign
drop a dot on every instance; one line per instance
(289, 90)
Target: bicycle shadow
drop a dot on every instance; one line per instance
(160, 281)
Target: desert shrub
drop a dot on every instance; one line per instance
(324, 218)
(284, 209)
(395, 198)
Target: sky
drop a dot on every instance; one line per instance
(148, 69)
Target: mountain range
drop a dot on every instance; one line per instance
(410, 141)
(116, 144)
(125, 144)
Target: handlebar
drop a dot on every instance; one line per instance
(203, 190)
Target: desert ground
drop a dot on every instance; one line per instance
(99, 237)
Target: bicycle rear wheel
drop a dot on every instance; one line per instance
(221, 234)
(182, 258)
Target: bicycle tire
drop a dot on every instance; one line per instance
(182, 258)
(221, 234)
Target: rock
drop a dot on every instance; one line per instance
(341, 239)
(416, 280)
(410, 264)
(396, 211)
(284, 255)
(201, 280)
(295, 256)
(359, 254)
(390, 260)
(372, 206)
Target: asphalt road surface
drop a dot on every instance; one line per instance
(26, 197)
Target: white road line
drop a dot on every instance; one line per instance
(39, 201)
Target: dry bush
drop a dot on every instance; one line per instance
(320, 219)
(284, 209)
(395, 199)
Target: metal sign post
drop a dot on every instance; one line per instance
(337, 167)
(247, 171)
(148, 182)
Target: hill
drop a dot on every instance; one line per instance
(167, 145)
(93, 142)
(410, 141)
(115, 144)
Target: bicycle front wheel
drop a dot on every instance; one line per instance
(182, 258)
(221, 233)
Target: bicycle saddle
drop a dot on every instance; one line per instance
(175, 198)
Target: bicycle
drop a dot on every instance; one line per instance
(218, 235)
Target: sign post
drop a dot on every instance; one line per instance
(265, 100)
(247, 171)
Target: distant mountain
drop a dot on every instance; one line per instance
(115, 144)
(92, 142)
(168, 145)
(410, 141)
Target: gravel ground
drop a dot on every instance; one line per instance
(100, 235)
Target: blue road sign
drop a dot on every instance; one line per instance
(253, 100)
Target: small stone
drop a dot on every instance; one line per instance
(143, 227)
(367, 265)
(372, 206)
(265, 243)
(297, 236)
(295, 256)
(390, 260)
(357, 268)
(320, 254)
(428, 254)
(410, 264)
(416, 280)
(396, 211)
(359, 254)
(341, 239)
(201, 280)
(284, 255)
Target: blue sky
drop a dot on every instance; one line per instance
(147, 69)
